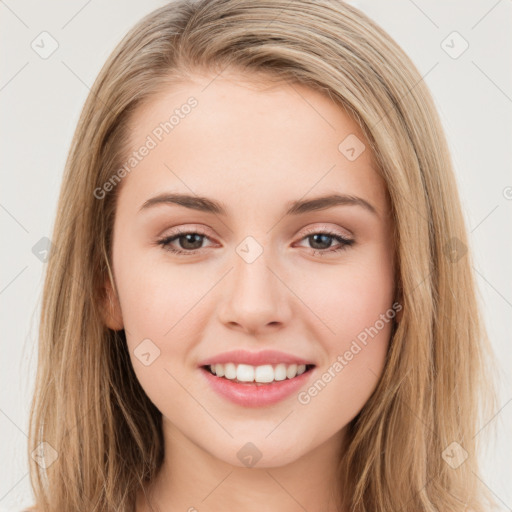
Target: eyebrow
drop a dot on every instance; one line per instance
(298, 207)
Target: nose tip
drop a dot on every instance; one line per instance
(253, 297)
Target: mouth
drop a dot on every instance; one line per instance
(263, 375)
(260, 386)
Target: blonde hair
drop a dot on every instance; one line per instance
(435, 389)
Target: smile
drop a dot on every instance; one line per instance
(264, 374)
(249, 392)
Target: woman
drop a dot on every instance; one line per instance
(324, 349)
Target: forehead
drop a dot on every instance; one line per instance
(245, 139)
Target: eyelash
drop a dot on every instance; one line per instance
(345, 242)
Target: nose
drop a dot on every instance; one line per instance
(254, 298)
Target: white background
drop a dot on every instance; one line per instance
(40, 101)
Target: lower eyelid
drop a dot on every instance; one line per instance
(165, 243)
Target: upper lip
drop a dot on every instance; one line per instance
(254, 358)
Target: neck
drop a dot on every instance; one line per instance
(191, 479)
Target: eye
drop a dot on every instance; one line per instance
(321, 240)
(190, 242)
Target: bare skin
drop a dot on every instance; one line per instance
(254, 149)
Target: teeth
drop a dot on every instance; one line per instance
(261, 374)
(291, 371)
(280, 372)
(229, 371)
(219, 370)
(245, 373)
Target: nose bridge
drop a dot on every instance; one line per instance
(255, 296)
(252, 280)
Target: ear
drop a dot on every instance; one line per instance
(111, 307)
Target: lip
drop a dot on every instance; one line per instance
(252, 395)
(255, 358)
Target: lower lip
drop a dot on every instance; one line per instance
(251, 395)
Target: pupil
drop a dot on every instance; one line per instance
(190, 238)
(326, 240)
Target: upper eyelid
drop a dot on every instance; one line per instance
(180, 231)
(204, 231)
(323, 229)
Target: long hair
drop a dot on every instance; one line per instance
(414, 445)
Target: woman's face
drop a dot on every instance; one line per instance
(264, 265)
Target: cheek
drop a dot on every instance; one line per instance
(154, 296)
(348, 298)
(160, 310)
(357, 309)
